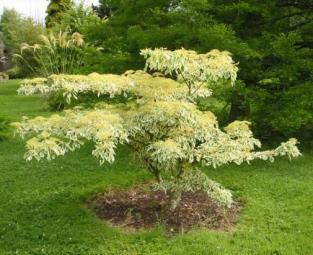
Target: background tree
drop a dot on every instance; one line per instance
(55, 11)
(281, 32)
(160, 121)
(271, 41)
(3, 53)
(141, 24)
(17, 30)
(106, 8)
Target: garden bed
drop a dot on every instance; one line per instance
(141, 208)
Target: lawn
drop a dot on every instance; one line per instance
(42, 208)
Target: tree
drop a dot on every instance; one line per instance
(106, 8)
(55, 11)
(14, 31)
(17, 30)
(78, 18)
(160, 121)
(281, 33)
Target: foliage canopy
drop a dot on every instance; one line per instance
(167, 131)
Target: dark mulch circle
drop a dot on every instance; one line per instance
(142, 208)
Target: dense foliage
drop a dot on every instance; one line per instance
(281, 33)
(271, 41)
(16, 30)
(160, 121)
(79, 18)
(55, 11)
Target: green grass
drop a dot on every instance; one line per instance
(14, 106)
(42, 204)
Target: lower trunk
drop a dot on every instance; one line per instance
(158, 177)
(174, 200)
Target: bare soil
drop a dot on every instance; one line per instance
(141, 208)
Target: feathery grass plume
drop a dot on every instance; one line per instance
(56, 53)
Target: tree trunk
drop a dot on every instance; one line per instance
(158, 177)
(175, 200)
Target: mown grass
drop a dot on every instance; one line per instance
(42, 204)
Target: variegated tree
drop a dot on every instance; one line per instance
(160, 121)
